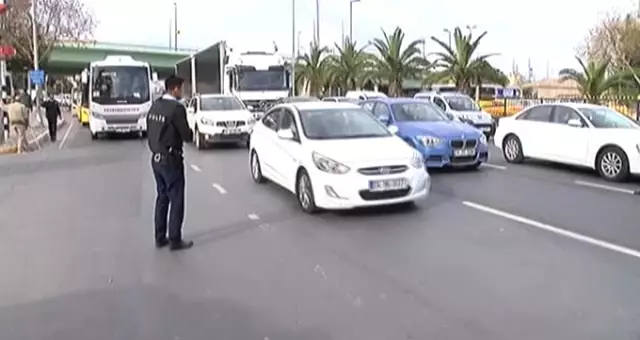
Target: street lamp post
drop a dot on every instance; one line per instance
(471, 28)
(351, 19)
(175, 26)
(293, 47)
(36, 56)
(448, 31)
(318, 22)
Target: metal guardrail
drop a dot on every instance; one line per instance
(509, 106)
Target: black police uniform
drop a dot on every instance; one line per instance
(52, 112)
(167, 129)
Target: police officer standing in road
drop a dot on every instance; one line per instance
(167, 129)
(52, 112)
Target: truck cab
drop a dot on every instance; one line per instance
(257, 78)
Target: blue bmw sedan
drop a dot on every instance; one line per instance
(442, 141)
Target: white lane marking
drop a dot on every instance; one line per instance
(66, 135)
(555, 230)
(219, 187)
(493, 166)
(195, 168)
(605, 187)
(253, 217)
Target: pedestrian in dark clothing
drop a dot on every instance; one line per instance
(167, 129)
(25, 99)
(52, 112)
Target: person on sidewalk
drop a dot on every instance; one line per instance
(167, 129)
(19, 121)
(25, 99)
(53, 113)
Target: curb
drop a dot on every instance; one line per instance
(39, 138)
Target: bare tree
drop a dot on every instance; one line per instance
(56, 21)
(616, 38)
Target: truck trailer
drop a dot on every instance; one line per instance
(257, 77)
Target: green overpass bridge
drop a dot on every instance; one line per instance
(71, 58)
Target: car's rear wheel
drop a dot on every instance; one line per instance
(612, 164)
(304, 193)
(512, 149)
(256, 169)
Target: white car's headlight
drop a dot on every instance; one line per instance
(207, 121)
(251, 120)
(483, 139)
(329, 165)
(417, 161)
(429, 141)
(97, 115)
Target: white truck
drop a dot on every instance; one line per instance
(256, 76)
(117, 95)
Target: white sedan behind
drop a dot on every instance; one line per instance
(335, 156)
(585, 135)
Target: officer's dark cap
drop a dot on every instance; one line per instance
(173, 82)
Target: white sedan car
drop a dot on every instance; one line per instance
(585, 135)
(335, 156)
(218, 118)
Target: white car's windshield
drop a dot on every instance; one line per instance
(412, 112)
(606, 118)
(462, 103)
(221, 104)
(341, 124)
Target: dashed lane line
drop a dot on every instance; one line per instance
(493, 166)
(559, 231)
(253, 217)
(219, 187)
(196, 168)
(606, 187)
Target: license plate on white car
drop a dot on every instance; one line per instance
(486, 128)
(231, 131)
(388, 184)
(123, 130)
(464, 152)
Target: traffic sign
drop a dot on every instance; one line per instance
(37, 77)
(7, 51)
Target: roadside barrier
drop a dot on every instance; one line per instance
(5, 127)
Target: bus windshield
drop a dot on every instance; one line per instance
(120, 85)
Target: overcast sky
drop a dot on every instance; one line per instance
(545, 31)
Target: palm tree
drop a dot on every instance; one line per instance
(459, 63)
(312, 69)
(395, 62)
(594, 80)
(350, 66)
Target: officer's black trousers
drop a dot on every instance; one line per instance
(170, 182)
(53, 127)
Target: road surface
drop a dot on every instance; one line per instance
(506, 252)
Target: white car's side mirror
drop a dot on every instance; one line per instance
(393, 129)
(574, 123)
(286, 134)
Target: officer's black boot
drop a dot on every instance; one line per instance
(180, 245)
